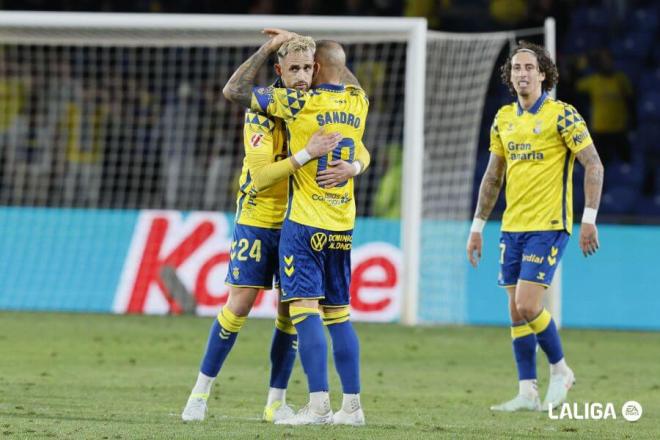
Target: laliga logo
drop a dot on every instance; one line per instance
(631, 411)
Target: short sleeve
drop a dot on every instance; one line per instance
(496, 146)
(573, 129)
(355, 90)
(279, 102)
(257, 136)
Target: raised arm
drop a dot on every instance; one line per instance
(239, 87)
(491, 184)
(593, 187)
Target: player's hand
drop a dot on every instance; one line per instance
(278, 36)
(322, 143)
(474, 246)
(589, 239)
(338, 171)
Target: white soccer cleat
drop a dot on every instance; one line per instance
(519, 403)
(195, 410)
(277, 411)
(558, 389)
(307, 416)
(355, 418)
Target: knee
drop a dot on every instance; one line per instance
(527, 310)
(283, 309)
(307, 303)
(240, 301)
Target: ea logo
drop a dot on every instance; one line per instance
(631, 411)
(318, 241)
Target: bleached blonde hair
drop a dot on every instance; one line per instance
(297, 44)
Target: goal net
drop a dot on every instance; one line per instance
(120, 157)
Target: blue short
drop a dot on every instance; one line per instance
(253, 257)
(530, 256)
(315, 264)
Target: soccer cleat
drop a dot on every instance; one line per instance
(306, 416)
(519, 403)
(558, 389)
(277, 411)
(195, 409)
(355, 418)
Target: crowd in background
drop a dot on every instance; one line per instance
(609, 69)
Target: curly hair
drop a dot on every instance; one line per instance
(546, 66)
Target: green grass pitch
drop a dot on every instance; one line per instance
(128, 377)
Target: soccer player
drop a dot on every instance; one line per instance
(534, 142)
(317, 233)
(261, 205)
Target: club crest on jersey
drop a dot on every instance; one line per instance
(255, 140)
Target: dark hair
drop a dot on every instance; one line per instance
(546, 66)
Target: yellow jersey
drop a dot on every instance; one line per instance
(341, 109)
(609, 95)
(539, 146)
(264, 140)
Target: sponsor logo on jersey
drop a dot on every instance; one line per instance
(256, 139)
(342, 242)
(318, 241)
(578, 138)
(332, 199)
(532, 258)
(523, 151)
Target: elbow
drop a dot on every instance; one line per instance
(228, 92)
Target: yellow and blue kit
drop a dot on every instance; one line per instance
(341, 109)
(260, 205)
(317, 234)
(539, 146)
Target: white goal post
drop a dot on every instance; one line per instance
(442, 84)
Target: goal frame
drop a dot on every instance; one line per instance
(411, 30)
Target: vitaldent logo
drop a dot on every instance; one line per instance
(631, 411)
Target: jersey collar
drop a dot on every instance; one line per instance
(331, 87)
(535, 108)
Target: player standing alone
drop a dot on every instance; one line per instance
(534, 142)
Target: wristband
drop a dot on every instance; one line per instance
(357, 166)
(477, 225)
(589, 216)
(302, 157)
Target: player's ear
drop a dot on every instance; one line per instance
(278, 69)
(317, 66)
(541, 76)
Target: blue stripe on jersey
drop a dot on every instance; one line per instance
(288, 146)
(564, 202)
(331, 87)
(248, 180)
(289, 203)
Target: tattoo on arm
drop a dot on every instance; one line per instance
(491, 184)
(239, 86)
(593, 176)
(347, 77)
